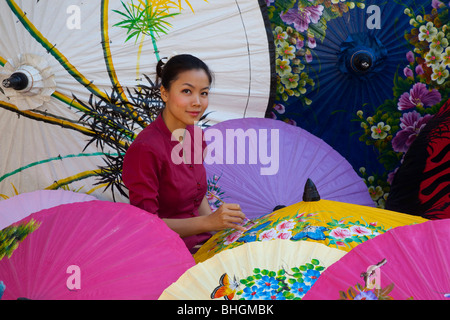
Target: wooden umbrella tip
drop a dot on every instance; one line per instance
(310, 193)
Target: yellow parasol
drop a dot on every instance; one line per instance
(273, 270)
(335, 224)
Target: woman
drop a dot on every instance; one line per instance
(177, 192)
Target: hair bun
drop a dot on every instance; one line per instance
(160, 67)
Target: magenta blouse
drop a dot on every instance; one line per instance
(158, 185)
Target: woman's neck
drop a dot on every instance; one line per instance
(172, 123)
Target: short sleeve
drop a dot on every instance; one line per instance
(140, 176)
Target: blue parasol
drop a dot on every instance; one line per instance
(335, 58)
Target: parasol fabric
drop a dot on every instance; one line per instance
(274, 270)
(335, 224)
(84, 59)
(421, 185)
(22, 205)
(264, 163)
(412, 263)
(95, 250)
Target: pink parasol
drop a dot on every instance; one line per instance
(18, 207)
(95, 250)
(408, 262)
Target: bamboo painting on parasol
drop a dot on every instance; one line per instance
(71, 128)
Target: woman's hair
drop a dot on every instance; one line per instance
(169, 71)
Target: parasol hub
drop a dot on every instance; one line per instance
(24, 79)
(361, 61)
(27, 81)
(361, 55)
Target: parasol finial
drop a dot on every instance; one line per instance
(310, 194)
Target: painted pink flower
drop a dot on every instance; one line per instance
(302, 17)
(340, 233)
(279, 108)
(286, 225)
(272, 115)
(437, 4)
(411, 124)
(232, 237)
(419, 95)
(285, 235)
(312, 42)
(300, 44)
(410, 56)
(408, 72)
(360, 231)
(268, 235)
(419, 69)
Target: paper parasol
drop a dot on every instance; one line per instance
(335, 58)
(335, 224)
(409, 262)
(78, 50)
(95, 250)
(273, 270)
(264, 163)
(22, 205)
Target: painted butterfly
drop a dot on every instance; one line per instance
(226, 289)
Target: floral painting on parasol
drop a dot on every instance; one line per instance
(273, 270)
(94, 250)
(336, 224)
(364, 76)
(408, 262)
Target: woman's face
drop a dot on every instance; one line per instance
(186, 100)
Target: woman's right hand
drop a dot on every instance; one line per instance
(228, 215)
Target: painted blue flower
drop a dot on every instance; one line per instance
(311, 232)
(311, 276)
(299, 289)
(267, 283)
(368, 295)
(252, 293)
(272, 295)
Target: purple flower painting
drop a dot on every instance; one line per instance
(302, 17)
(419, 96)
(411, 123)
